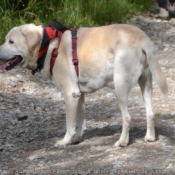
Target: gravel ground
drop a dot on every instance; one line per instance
(32, 118)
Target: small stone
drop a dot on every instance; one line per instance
(8, 115)
(13, 84)
(48, 96)
(35, 156)
(17, 111)
(38, 109)
(165, 49)
(142, 128)
(109, 95)
(14, 79)
(22, 117)
(2, 107)
(166, 45)
(173, 113)
(13, 122)
(160, 46)
(5, 172)
(1, 148)
(20, 77)
(172, 20)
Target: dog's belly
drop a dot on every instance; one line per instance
(87, 85)
(92, 86)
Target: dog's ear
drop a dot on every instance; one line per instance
(32, 36)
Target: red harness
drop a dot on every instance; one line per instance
(55, 51)
(50, 33)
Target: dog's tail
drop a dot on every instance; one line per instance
(155, 68)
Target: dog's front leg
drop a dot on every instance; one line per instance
(81, 119)
(72, 101)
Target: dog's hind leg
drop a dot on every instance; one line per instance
(128, 67)
(145, 83)
(121, 91)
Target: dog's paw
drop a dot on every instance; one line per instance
(61, 143)
(77, 139)
(150, 138)
(121, 144)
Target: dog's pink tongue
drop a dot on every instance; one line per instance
(3, 66)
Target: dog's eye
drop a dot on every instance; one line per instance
(11, 42)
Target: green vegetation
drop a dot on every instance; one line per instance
(157, 114)
(68, 12)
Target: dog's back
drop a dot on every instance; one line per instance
(115, 49)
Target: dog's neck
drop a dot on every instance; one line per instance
(49, 49)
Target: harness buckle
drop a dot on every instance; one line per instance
(74, 33)
(55, 52)
(75, 61)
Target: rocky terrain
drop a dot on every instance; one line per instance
(32, 118)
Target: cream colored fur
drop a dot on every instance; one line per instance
(117, 56)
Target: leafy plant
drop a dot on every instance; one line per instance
(70, 13)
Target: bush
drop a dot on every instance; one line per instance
(69, 12)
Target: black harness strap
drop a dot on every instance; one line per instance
(44, 46)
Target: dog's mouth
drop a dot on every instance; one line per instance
(11, 63)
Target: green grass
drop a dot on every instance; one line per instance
(69, 12)
(157, 114)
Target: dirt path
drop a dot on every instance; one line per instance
(26, 147)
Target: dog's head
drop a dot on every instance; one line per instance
(21, 46)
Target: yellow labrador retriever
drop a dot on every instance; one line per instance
(117, 56)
